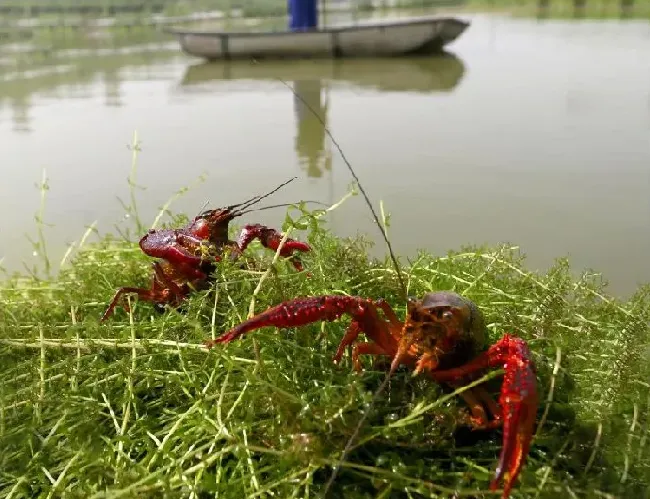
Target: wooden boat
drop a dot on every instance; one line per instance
(441, 73)
(371, 39)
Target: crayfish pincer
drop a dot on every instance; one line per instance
(188, 256)
(443, 337)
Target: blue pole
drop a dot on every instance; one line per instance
(303, 15)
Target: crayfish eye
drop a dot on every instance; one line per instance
(442, 315)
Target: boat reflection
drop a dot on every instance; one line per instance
(440, 73)
(312, 80)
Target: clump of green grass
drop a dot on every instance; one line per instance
(137, 407)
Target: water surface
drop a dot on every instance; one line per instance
(532, 132)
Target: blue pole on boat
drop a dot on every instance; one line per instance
(303, 15)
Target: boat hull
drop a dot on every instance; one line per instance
(383, 39)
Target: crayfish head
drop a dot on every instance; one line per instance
(433, 326)
(213, 225)
(452, 314)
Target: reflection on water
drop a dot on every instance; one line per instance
(311, 85)
(533, 132)
(111, 79)
(74, 74)
(312, 81)
(20, 113)
(310, 103)
(441, 73)
(79, 74)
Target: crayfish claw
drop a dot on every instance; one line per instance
(517, 435)
(518, 402)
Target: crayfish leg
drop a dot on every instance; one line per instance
(143, 294)
(163, 290)
(366, 349)
(162, 280)
(478, 400)
(478, 418)
(390, 314)
(297, 263)
(490, 404)
(349, 338)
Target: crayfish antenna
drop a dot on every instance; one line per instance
(281, 205)
(239, 208)
(356, 179)
(393, 258)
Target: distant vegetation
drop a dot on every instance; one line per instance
(16, 9)
(31, 19)
(47, 21)
(37, 8)
(585, 9)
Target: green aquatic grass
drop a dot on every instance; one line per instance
(137, 408)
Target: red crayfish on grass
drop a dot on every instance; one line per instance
(188, 256)
(443, 336)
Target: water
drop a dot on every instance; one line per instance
(531, 132)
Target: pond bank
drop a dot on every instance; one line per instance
(136, 405)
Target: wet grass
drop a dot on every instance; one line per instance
(137, 407)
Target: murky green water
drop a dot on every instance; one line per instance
(533, 132)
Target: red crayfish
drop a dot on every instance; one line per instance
(443, 336)
(188, 256)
